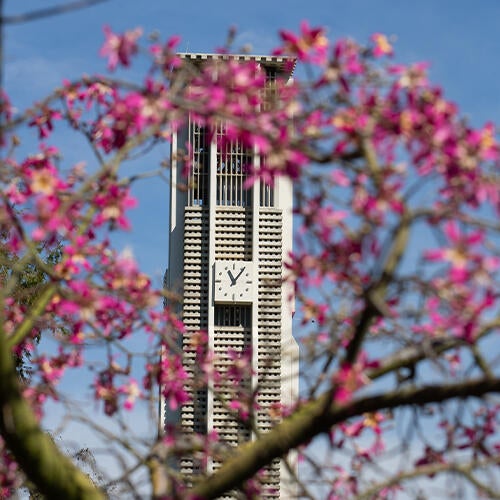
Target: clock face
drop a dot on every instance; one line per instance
(233, 281)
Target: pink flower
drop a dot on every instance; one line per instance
(382, 45)
(104, 390)
(340, 178)
(485, 142)
(113, 201)
(351, 377)
(311, 45)
(131, 389)
(431, 456)
(240, 407)
(43, 121)
(172, 379)
(348, 57)
(119, 48)
(348, 380)
(461, 255)
(314, 311)
(165, 56)
(50, 372)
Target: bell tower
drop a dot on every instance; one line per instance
(227, 247)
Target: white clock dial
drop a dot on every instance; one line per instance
(233, 281)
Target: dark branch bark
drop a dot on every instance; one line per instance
(412, 355)
(49, 11)
(317, 417)
(51, 471)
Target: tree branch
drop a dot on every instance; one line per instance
(49, 11)
(431, 469)
(317, 417)
(53, 473)
(410, 356)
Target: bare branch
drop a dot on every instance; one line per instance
(48, 12)
(432, 469)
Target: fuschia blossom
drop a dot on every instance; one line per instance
(119, 49)
(311, 45)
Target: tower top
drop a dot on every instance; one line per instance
(284, 65)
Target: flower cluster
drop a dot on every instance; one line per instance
(119, 49)
(10, 479)
(310, 46)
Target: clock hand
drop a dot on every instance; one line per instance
(231, 277)
(239, 274)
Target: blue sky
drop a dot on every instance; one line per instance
(459, 38)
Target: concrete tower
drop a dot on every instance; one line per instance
(227, 246)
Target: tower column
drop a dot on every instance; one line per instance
(212, 187)
(255, 288)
